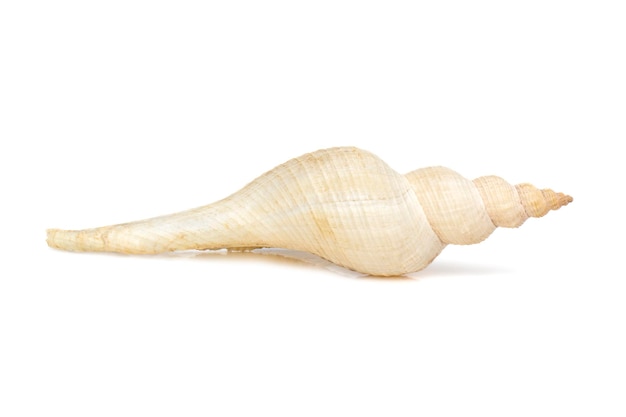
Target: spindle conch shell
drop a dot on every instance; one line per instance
(343, 204)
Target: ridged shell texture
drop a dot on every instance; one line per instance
(343, 204)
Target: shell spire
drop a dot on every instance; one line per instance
(510, 206)
(537, 203)
(343, 204)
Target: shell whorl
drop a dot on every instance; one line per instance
(343, 204)
(462, 211)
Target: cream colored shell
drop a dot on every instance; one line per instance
(343, 204)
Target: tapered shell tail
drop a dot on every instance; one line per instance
(208, 227)
(124, 238)
(74, 240)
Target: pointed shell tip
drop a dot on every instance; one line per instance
(564, 199)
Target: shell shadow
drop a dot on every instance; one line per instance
(447, 268)
(292, 258)
(299, 259)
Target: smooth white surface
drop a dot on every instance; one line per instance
(123, 110)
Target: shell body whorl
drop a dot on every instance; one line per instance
(343, 204)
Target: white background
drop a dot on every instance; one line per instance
(119, 110)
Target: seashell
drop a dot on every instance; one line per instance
(343, 204)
